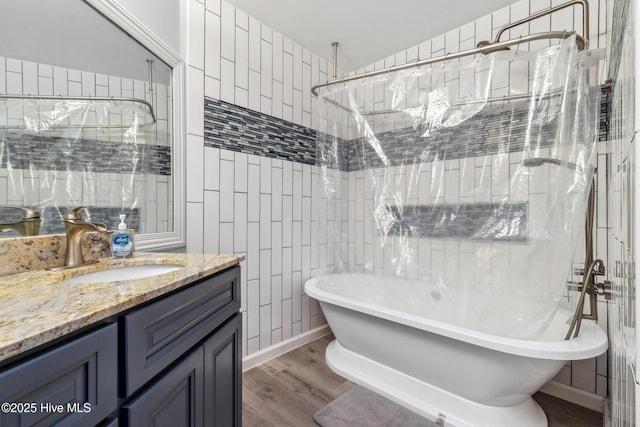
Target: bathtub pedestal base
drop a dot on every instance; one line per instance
(429, 401)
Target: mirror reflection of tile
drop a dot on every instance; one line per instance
(62, 154)
(52, 218)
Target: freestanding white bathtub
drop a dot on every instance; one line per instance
(441, 370)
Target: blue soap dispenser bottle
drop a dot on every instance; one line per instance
(122, 241)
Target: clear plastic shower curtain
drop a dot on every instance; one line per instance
(427, 177)
(57, 153)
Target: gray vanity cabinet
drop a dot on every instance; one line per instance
(200, 328)
(158, 334)
(204, 389)
(53, 387)
(174, 361)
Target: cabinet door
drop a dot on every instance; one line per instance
(158, 334)
(174, 400)
(223, 376)
(73, 384)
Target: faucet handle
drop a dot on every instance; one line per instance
(76, 213)
(27, 213)
(100, 226)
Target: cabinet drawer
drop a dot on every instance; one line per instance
(160, 333)
(71, 375)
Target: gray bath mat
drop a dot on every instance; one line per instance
(360, 407)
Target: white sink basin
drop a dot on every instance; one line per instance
(124, 273)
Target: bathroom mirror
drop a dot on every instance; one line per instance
(90, 115)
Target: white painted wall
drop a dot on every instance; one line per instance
(166, 19)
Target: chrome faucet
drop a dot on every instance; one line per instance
(76, 227)
(29, 225)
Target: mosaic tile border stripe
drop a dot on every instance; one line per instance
(62, 154)
(231, 127)
(494, 129)
(236, 128)
(472, 221)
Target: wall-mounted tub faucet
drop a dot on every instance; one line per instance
(592, 267)
(76, 227)
(29, 225)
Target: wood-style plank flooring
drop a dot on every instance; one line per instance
(288, 390)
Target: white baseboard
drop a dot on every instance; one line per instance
(583, 398)
(254, 359)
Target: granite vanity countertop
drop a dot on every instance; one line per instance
(39, 306)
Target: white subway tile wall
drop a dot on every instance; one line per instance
(262, 208)
(617, 223)
(281, 225)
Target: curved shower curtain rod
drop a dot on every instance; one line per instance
(145, 105)
(485, 47)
